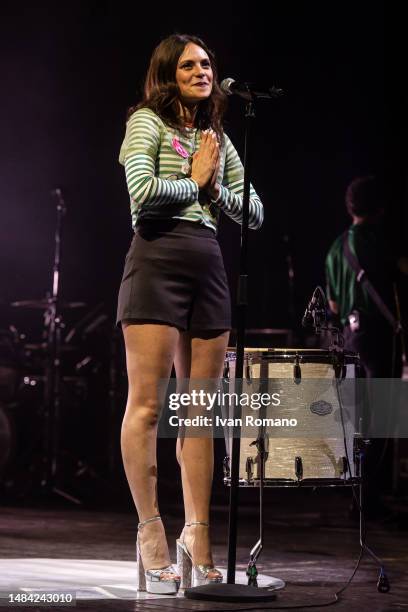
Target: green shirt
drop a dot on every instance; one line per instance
(158, 175)
(368, 244)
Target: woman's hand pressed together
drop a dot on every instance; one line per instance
(206, 162)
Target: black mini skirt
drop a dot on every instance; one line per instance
(174, 274)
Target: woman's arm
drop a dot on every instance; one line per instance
(231, 190)
(138, 154)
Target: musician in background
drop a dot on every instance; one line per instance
(366, 330)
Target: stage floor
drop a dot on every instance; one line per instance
(313, 550)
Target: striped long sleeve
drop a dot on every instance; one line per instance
(158, 181)
(139, 154)
(230, 199)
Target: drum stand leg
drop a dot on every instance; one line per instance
(383, 585)
(252, 571)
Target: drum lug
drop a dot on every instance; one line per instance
(340, 368)
(299, 468)
(248, 371)
(343, 466)
(297, 372)
(249, 469)
(226, 371)
(226, 467)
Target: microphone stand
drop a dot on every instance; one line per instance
(242, 303)
(230, 591)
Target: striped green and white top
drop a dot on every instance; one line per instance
(158, 179)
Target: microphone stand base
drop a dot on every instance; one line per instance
(238, 593)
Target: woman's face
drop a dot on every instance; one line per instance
(194, 75)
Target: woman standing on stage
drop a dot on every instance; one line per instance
(174, 305)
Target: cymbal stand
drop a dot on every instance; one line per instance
(53, 324)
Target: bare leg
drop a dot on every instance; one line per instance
(198, 358)
(150, 350)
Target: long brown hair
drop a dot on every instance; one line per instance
(161, 93)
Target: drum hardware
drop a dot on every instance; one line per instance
(226, 371)
(24, 408)
(248, 373)
(315, 399)
(51, 351)
(23, 471)
(383, 585)
(298, 468)
(344, 467)
(93, 325)
(226, 467)
(30, 381)
(359, 444)
(339, 366)
(83, 363)
(312, 362)
(53, 324)
(81, 330)
(261, 444)
(249, 468)
(22, 437)
(297, 372)
(88, 323)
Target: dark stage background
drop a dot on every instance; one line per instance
(69, 71)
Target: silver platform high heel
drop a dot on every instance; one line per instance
(194, 575)
(152, 580)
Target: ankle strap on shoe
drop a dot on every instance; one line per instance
(197, 523)
(149, 520)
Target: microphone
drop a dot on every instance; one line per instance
(307, 320)
(249, 91)
(315, 310)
